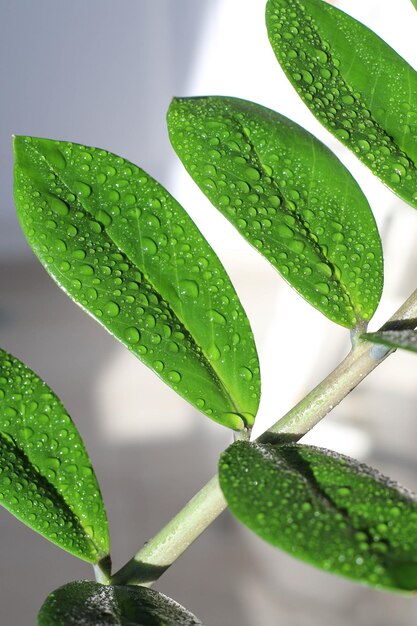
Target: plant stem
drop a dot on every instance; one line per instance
(161, 551)
(102, 570)
(361, 361)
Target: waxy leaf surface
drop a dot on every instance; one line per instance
(85, 603)
(289, 196)
(46, 478)
(403, 339)
(354, 83)
(127, 252)
(326, 509)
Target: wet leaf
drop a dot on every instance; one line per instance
(358, 87)
(46, 478)
(289, 196)
(126, 251)
(85, 603)
(403, 339)
(326, 509)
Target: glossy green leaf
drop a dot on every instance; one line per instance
(289, 196)
(85, 603)
(326, 509)
(354, 83)
(46, 478)
(403, 339)
(127, 252)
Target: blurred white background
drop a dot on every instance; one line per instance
(103, 73)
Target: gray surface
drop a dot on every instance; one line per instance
(103, 72)
(99, 72)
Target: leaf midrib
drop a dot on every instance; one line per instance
(315, 244)
(211, 368)
(395, 144)
(50, 488)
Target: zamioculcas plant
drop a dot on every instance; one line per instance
(124, 249)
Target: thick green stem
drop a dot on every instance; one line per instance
(159, 553)
(165, 548)
(361, 361)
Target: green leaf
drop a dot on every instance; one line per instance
(85, 603)
(127, 252)
(326, 509)
(403, 339)
(358, 87)
(46, 478)
(414, 3)
(289, 196)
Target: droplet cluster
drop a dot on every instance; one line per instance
(289, 196)
(106, 604)
(122, 247)
(326, 509)
(354, 83)
(46, 478)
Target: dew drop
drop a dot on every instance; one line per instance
(58, 206)
(86, 270)
(324, 269)
(216, 317)
(149, 246)
(132, 335)
(321, 56)
(213, 353)
(189, 288)
(174, 376)
(82, 189)
(342, 133)
(252, 174)
(245, 373)
(111, 309)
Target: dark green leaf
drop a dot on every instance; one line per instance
(355, 84)
(85, 603)
(289, 196)
(126, 251)
(404, 339)
(46, 478)
(326, 509)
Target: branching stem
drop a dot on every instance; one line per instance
(161, 551)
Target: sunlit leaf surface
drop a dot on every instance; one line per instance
(126, 251)
(354, 83)
(289, 196)
(46, 478)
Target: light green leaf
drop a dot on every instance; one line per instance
(358, 87)
(127, 252)
(403, 339)
(85, 603)
(289, 196)
(414, 3)
(46, 478)
(326, 509)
